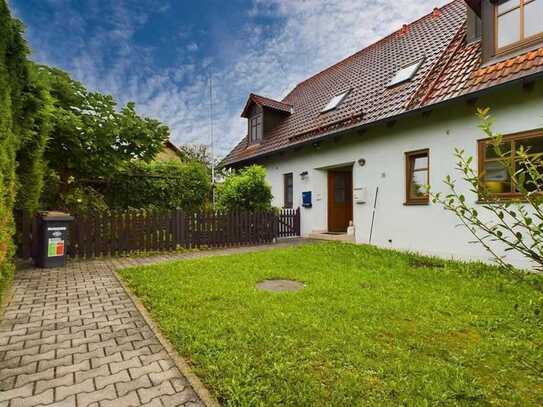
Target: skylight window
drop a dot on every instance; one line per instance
(336, 100)
(405, 74)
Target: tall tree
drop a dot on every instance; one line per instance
(90, 138)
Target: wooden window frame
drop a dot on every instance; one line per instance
(524, 41)
(481, 160)
(409, 171)
(253, 130)
(286, 204)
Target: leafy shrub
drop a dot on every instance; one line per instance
(516, 225)
(246, 190)
(161, 184)
(83, 199)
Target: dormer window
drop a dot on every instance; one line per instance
(255, 129)
(263, 115)
(509, 27)
(517, 23)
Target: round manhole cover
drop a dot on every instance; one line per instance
(280, 285)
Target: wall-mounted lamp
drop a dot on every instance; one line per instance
(362, 162)
(304, 174)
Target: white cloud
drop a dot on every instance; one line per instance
(309, 36)
(315, 34)
(192, 47)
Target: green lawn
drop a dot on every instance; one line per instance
(372, 327)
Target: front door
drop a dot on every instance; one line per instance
(340, 199)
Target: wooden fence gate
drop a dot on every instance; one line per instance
(118, 233)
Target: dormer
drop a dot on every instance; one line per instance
(263, 115)
(508, 27)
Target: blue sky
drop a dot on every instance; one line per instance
(160, 53)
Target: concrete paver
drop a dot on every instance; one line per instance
(73, 336)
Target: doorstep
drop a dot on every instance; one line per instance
(338, 237)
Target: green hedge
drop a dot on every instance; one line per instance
(19, 105)
(161, 184)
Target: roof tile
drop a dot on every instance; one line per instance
(451, 68)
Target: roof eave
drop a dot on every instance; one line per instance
(253, 100)
(406, 114)
(245, 112)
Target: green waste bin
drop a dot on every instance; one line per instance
(52, 239)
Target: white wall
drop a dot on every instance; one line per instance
(426, 229)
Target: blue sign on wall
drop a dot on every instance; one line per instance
(306, 199)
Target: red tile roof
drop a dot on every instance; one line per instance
(266, 102)
(465, 75)
(450, 68)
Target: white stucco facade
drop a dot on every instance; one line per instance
(426, 229)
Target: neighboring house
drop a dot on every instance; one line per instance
(389, 117)
(169, 152)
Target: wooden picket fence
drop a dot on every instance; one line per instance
(118, 233)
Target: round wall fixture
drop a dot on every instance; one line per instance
(362, 162)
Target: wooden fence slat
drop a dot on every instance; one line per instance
(158, 230)
(173, 228)
(148, 226)
(113, 241)
(164, 231)
(118, 233)
(83, 234)
(128, 230)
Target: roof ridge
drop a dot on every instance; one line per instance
(370, 46)
(271, 99)
(266, 102)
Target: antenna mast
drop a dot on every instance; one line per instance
(212, 138)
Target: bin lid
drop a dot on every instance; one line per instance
(56, 216)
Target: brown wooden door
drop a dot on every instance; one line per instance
(340, 200)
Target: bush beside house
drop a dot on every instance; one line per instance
(247, 190)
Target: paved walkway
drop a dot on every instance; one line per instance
(72, 336)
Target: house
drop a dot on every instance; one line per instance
(357, 141)
(169, 152)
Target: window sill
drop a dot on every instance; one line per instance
(513, 198)
(422, 203)
(501, 201)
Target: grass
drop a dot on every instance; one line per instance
(372, 327)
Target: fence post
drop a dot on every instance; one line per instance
(177, 227)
